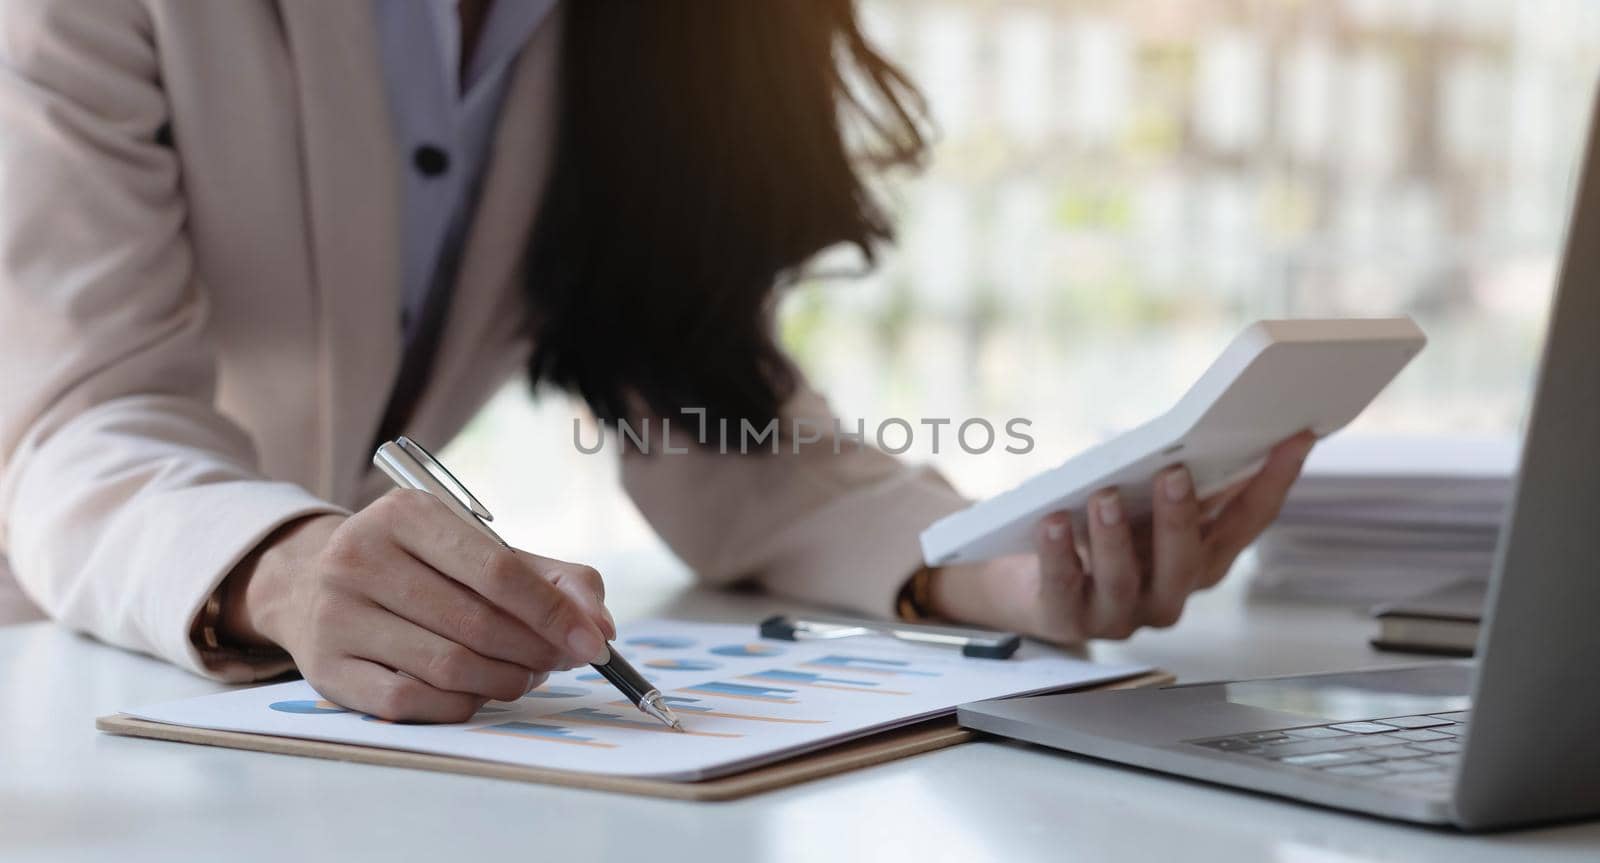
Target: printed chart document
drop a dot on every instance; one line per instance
(743, 701)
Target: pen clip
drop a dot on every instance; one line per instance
(976, 643)
(444, 476)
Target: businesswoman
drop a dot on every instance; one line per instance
(241, 242)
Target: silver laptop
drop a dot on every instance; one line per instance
(1511, 739)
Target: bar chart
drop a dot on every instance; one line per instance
(721, 689)
(542, 732)
(807, 678)
(682, 664)
(548, 691)
(754, 649)
(742, 701)
(698, 707)
(596, 716)
(870, 665)
(661, 642)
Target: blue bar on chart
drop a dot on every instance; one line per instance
(755, 649)
(682, 664)
(771, 694)
(871, 665)
(548, 691)
(696, 706)
(541, 731)
(678, 702)
(661, 642)
(595, 716)
(807, 678)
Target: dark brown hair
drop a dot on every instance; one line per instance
(706, 150)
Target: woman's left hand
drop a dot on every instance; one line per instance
(1127, 575)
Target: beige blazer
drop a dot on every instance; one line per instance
(197, 340)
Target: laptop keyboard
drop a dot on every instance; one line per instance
(1418, 752)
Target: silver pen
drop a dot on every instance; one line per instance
(410, 466)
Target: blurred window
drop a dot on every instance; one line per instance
(1120, 185)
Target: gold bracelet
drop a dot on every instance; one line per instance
(210, 621)
(915, 602)
(208, 635)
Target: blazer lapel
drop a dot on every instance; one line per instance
(487, 308)
(352, 193)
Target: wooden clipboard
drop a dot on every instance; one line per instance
(877, 749)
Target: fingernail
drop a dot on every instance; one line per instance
(610, 621)
(1178, 486)
(1110, 510)
(535, 680)
(1055, 531)
(585, 643)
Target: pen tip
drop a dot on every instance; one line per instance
(652, 704)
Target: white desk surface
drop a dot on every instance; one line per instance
(68, 792)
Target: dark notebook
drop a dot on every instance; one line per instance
(1443, 621)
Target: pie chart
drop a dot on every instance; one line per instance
(312, 708)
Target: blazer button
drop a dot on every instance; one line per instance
(430, 161)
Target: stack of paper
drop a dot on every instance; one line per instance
(1375, 519)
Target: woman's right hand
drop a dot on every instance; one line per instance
(406, 612)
